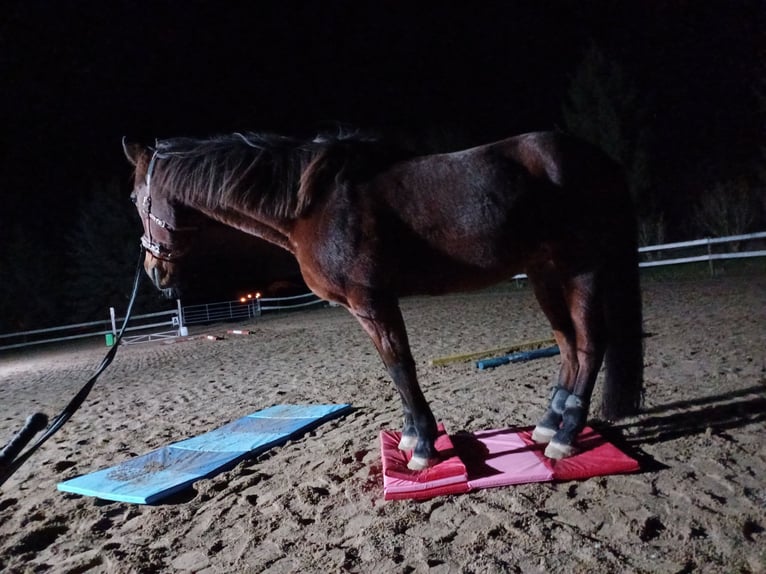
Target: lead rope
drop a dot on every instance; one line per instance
(10, 459)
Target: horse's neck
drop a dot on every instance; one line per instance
(273, 231)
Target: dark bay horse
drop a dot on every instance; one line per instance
(369, 224)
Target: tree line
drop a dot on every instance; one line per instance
(49, 280)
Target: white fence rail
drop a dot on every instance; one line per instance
(236, 310)
(287, 303)
(108, 329)
(54, 334)
(173, 328)
(242, 310)
(221, 311)
(709, 244)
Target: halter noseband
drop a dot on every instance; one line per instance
(156, 248)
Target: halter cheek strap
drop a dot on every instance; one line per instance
(154, 247)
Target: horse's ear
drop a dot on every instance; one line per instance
(132, 151)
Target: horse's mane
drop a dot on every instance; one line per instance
(275, 175)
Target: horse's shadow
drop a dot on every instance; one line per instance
(704, 415)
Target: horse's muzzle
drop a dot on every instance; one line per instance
(169, 292)
(160, 276)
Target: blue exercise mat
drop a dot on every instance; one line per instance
(153, 476)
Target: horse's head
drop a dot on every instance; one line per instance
(168, 226)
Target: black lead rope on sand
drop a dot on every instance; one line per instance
(9, 461)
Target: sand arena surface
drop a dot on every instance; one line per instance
(316, 504)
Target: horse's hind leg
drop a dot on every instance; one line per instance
(586, 312)
(550, 294)
(382, 320)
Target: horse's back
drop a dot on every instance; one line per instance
(559, 158)
(541, 158)
(503, 186)
(469, 218)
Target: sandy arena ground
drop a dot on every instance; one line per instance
(316, 504)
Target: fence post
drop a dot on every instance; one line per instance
(709, 257)
(182, 331)
(114, 321)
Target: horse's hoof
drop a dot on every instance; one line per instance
(557, 450)
(408, 442)
(542, 435)
(421, 463)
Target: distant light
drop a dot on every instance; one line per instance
(258, 295)
(249, 296)
(242, 299)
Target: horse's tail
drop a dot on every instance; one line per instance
(624, 378)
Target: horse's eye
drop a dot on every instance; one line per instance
(133, 198)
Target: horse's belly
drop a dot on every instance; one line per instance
(440, 274)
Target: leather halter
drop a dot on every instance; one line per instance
(158, 249)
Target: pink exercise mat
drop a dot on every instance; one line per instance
(491, 458)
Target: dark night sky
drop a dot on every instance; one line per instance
(77, 76)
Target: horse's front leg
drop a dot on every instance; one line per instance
(382, 320)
